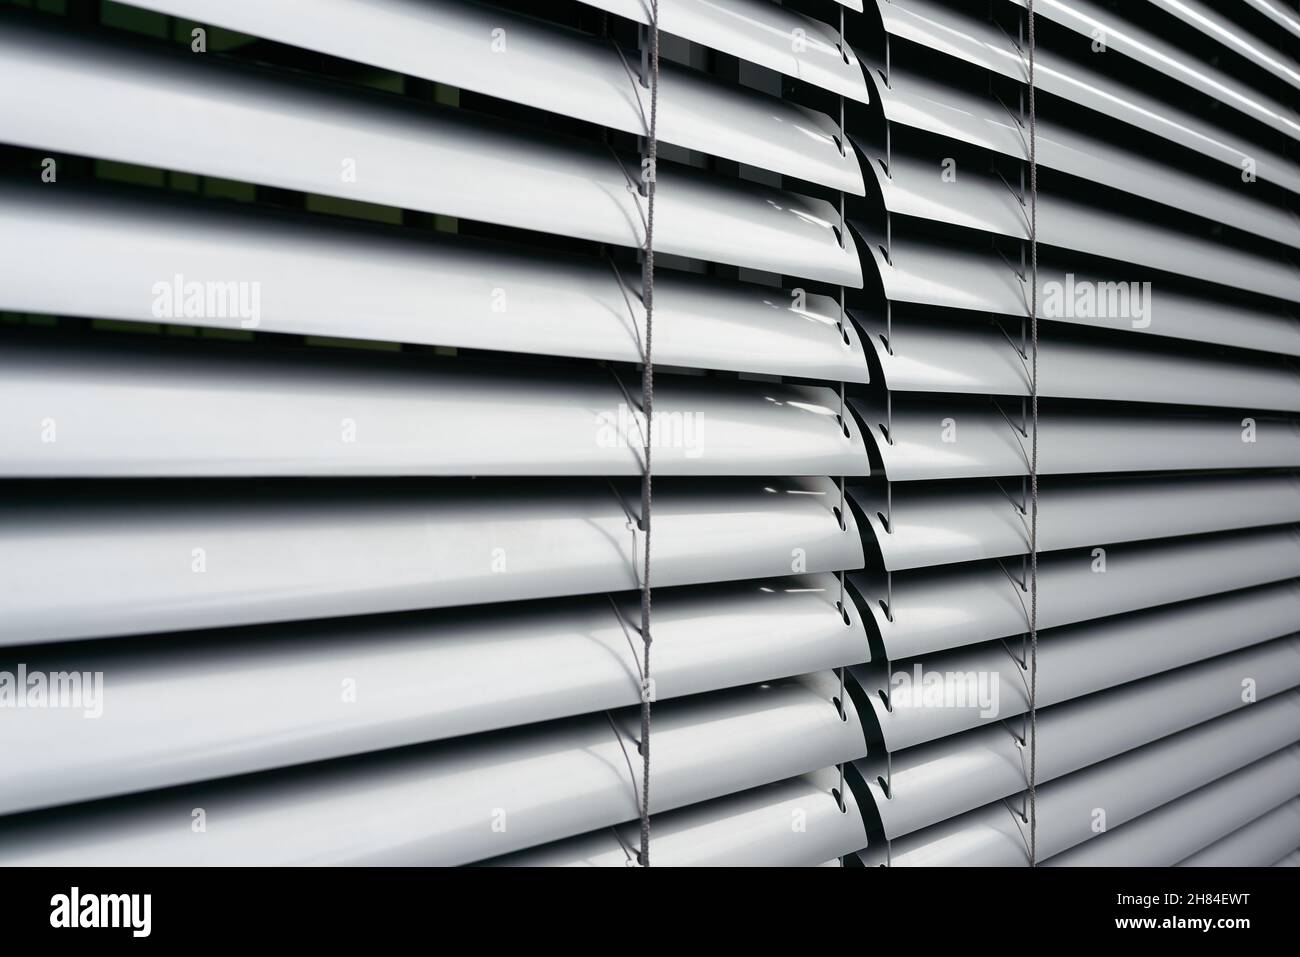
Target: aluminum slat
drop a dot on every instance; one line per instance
(162, 715)
(754, 828)
(964, 605)
(1212, 24)
(937, 781)
(526, 60)
(314, 276)
(152, 412)
(1078, 660)
(1163, 837)
(124, 561)
(1278, 14)
(1204, 767)
(940, 356)
(978, 42)
(759, 32)
(1254, 845)
(913, 187)
(934, 272)
(1089, 19)
(375, 810)
(179, 112)
(962, 438)
(917, 100)
(941, 523)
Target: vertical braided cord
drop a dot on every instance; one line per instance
(1033, 460)
(647, 402)
(844, 524)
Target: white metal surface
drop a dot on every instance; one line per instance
(1165, 836)
(123, 564)
(1079, 660)
(981, 43)
(139, 410)
(1208, 767)
(526, 60)
(1254, 845)
(915, 98)
(163, 715)
(1205, 18)
(436, 805)
(913, 187)
(960, 437)
(922, 524)
(316, 277)
(964, 358)
(180, 112)
(761, 32)
(752, 829)
(1088, 19)
(966, 604)
(933, 272)
(940, 780)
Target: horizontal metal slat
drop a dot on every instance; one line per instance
(163, 714)
(1089, 19)
(935, 610)
(1212, 24)
(123, 563)
(149, 412)
(913, 186)
(760, 32)
(921, 101)
(943, 523)
(981, 43)
(1127, 789)
(182, 112)
(526, 60)
(1278, 14)
(961, 438)
(752, 829)
(1081, 659)
(956, 276)
(1169, 834)
(1254, 845)
(945, 778)
(375, 809)
(316, 277)
(916, 355)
